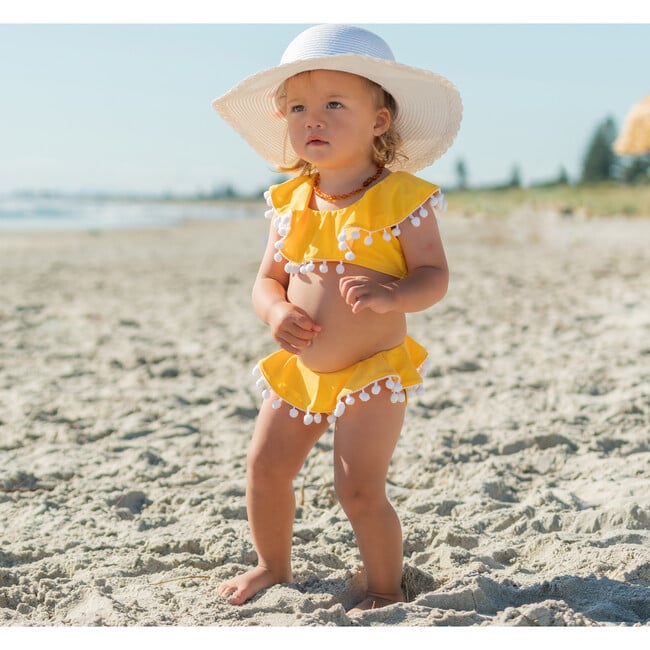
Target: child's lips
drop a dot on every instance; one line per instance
(316, 141)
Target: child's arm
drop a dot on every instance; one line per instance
(425, 284)
(290, 326)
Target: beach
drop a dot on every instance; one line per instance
(127, 402)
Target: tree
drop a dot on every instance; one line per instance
(600, 160)
(461, 173)
(637, 170)
(226, 191)
(515, 177)
(562, 177)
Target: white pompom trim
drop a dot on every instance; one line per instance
(392, 383)
(345, 238)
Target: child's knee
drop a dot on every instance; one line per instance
(265, 466)
(260, 466)
(356, 496)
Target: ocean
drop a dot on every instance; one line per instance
(32, 213)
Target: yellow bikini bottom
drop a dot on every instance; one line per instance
(317, 393)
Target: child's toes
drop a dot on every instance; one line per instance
(238, 597)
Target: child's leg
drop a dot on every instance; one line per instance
(276, 453)
(364, 441)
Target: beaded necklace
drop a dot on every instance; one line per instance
(339, 197)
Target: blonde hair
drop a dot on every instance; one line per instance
(385, 148)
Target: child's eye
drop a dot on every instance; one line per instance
(334, 104)
(297, 108)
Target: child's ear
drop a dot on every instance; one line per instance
(382, 121)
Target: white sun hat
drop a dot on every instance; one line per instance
(429, 107)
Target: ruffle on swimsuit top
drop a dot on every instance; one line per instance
(365, 233)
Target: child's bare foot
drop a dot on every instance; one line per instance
(374, 602)
(240, 588)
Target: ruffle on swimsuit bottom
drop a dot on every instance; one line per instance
(318, 393)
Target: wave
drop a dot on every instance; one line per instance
(64, 213)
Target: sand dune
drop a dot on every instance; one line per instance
(126, 404)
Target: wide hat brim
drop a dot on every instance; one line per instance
(428, 118)
(634, 138)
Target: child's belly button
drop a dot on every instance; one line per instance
(345, 338)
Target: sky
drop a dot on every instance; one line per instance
(121, 101)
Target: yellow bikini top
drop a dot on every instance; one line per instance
(365, 233)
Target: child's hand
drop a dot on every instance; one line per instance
(291, 327)
(361, 292)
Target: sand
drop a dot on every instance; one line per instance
(126, 405)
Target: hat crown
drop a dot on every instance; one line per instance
(333, 40)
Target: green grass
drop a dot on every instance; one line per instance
(584, 200)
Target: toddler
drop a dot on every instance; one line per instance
(353, 247)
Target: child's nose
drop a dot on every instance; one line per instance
(314, 120)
